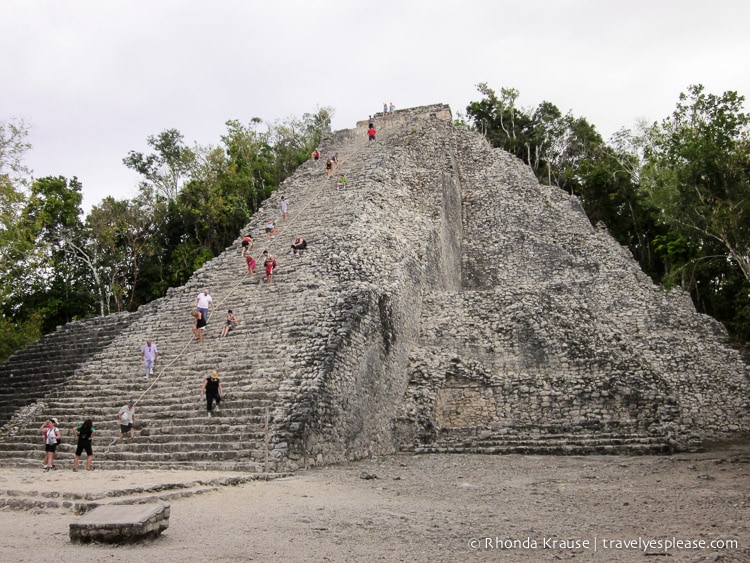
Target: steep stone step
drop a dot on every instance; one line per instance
(536, 448)
(75, 497)
(79, 504)
(557, 444)
(140, 462)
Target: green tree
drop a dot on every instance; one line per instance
(17, 335)
(498, 119)
(697, 173)
(14, 244)
(294, 139)
(168, 167)
(13, 177)
(51, 276)
(121, 239)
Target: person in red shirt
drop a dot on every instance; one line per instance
(247, 244)
(371, 133)
(269, 261)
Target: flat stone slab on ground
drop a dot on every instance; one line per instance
(121, 523)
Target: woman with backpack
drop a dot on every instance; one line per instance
(84, 432)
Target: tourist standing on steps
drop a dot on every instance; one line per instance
(149, 354)
(199, 326)
(391, 108)
(284, 207)
(269, 261)
(84, 432)
(316, 154)
(203, 302)
(385, 107)
(371, 133)
(213, 390)
(229, 324)
(270, 230)
(127, 420)
(342, 183)
(51, 438)
(329, 167)
(251, 263)
(247, 244)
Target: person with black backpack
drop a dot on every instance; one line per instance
(84, 432)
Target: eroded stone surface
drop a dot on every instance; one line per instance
(121, 523)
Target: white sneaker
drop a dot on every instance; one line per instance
(151, 372)
(209, 415)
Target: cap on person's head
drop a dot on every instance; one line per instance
(131, 402)
(53, 419)
(214, 374)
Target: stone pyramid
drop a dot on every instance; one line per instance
(446, 302)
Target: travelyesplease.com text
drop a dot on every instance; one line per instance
(647, 545)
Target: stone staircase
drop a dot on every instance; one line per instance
(173, 430)
(271, 366)
(48, 363)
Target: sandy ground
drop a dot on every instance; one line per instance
(423, 508)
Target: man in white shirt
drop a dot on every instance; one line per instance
(284, 207)
(127, 420)
(203, 302)
(149, 353)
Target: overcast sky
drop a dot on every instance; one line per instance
(94, 78)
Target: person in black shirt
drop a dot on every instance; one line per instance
(213, 390)
(84, 432)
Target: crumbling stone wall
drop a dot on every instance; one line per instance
(556, 330)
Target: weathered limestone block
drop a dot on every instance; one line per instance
(121, 523)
